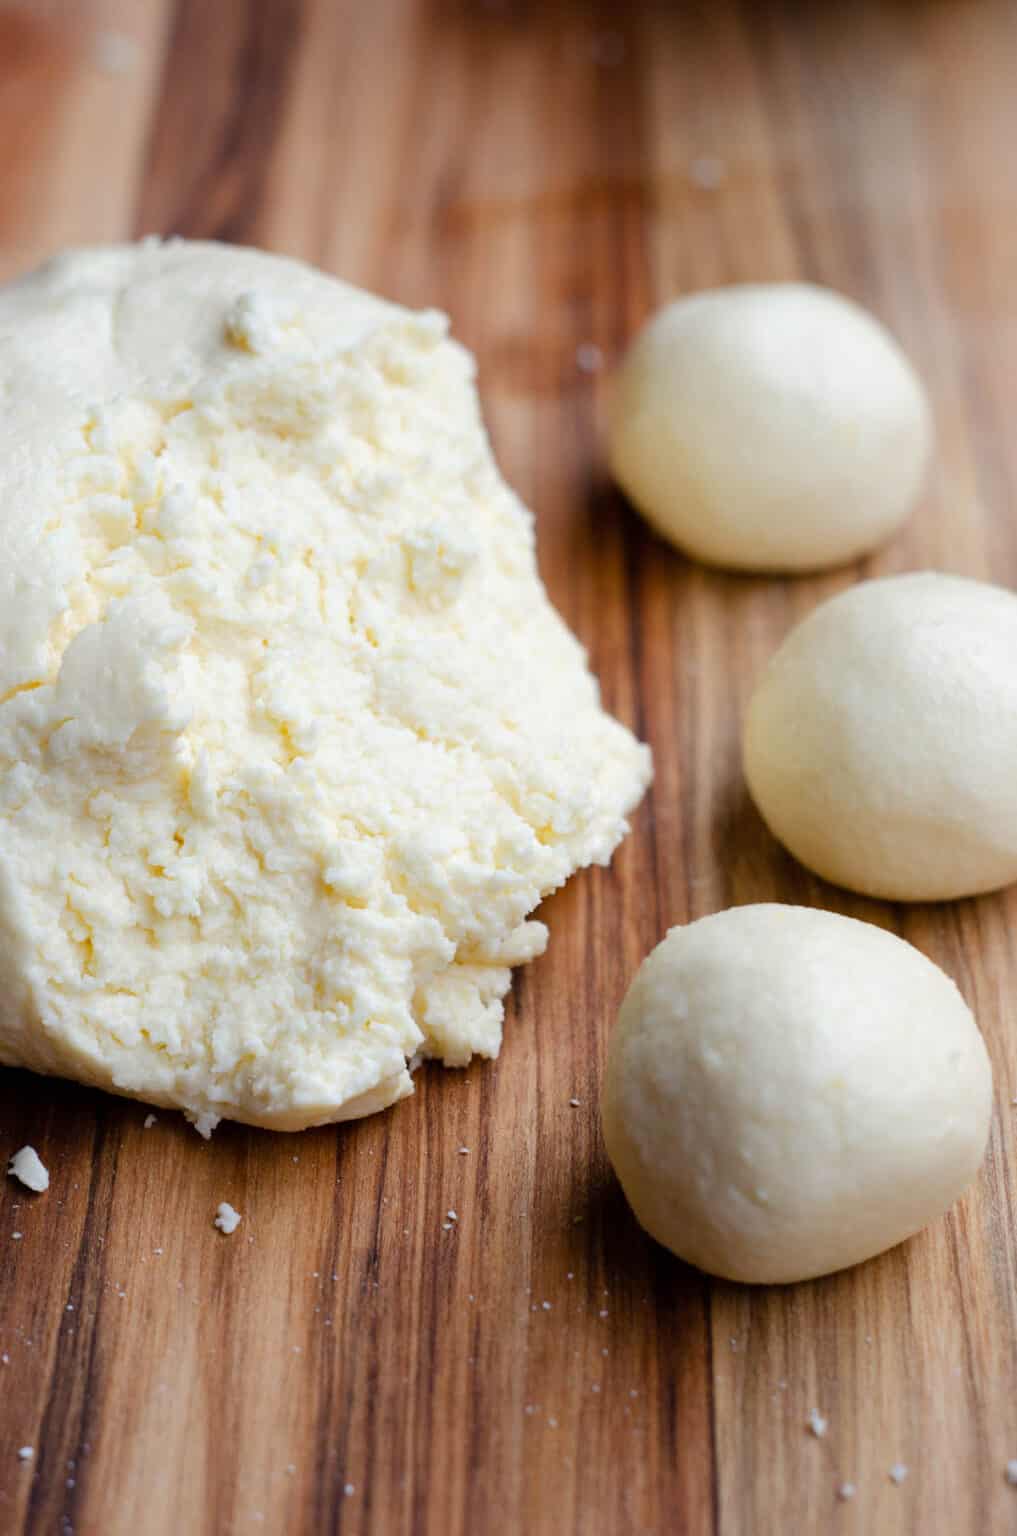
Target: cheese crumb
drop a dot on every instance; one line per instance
(149, 1122)
(817, 1424)
(26, 1453)
(226, 1218)
(115, 53)
(1011, 1473)
(708, 172)
(898, 1473)
(846, 1491)
(28, 1167)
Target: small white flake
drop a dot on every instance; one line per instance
(5, 1358)
(17, 1236)
(26, 1453)
(349, 1490)
(452, 1216)
(602, 1312)
(115, 53)
(149, 1122)
(898, 1473)
(846, 1491)
(27, 1167)
(708, 172)
(1011, 1470)
(589, 357)
(463, 1151)
(226, 1218)
(817, 1424)
(205, 1123)
(446, 1226)
(570, 1275)
(546, 1306)
(573, 1103)
(553, 1423)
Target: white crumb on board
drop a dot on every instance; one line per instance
(898, 1473)
(226, 1218)
(574, 1103)
(708, 172)
(28, 1167)
(26, 1453)
(205, 1123)
(115, 53)
(817, 1424)
(846, 1491)
(149, 1122)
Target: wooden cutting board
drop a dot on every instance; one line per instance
(548, 171)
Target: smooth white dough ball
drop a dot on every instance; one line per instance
(772, 427)
(880, 744)
(789, 1092)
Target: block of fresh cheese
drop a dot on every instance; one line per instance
(291, 739)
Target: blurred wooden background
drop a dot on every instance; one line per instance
(548, 171)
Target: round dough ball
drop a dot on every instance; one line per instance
(881, 742)
(774, 427)
(789, 1092)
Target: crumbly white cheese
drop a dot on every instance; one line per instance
(226, 1218)
(28, 1166)
(291, 739)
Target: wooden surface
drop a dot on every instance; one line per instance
(548, 171)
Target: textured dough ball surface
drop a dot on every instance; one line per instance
(789, 1092)
(880, 744)
(291, 739)
(769, 427)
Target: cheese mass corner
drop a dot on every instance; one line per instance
(291, 739)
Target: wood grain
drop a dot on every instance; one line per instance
(547, 172)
